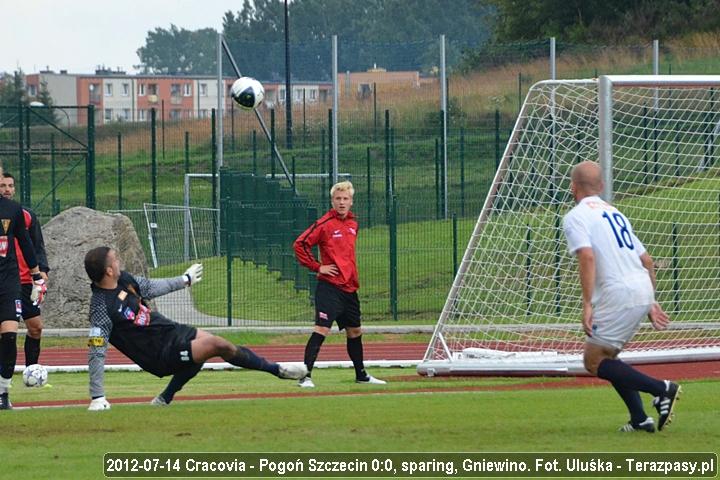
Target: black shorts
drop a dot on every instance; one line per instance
(28, 309)
(177, 352)
(10, 307)
(334, 305)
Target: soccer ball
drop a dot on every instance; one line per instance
(35, 375)
(247, 92)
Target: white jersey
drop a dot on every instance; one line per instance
(621, 281)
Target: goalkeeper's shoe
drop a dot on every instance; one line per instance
(5, 402)
(306, 382)
(292, 371)
(159, 401)
(665, 404)
(648, 425)
(370, 380)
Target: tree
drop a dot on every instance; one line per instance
(179, 51)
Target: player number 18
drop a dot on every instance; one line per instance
(623, 238)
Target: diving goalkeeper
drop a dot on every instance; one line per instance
(120, 315)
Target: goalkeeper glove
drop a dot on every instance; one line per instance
(97, 404)
(39, 289)
(193, 274)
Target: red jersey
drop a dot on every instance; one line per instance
(336, 239)
(25, 276)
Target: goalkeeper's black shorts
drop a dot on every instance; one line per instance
(10, 305)
(176, 354)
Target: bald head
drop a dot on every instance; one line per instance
(586, 180)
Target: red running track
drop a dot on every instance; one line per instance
(278, 353)
(373, 351)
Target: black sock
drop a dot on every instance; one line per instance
(355, 351)
(246, 358)
(178, 381)
(634, 404)
(8, 357)
(312, 349)
(624, 376)
(32, 350)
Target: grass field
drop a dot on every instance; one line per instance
(410, 414)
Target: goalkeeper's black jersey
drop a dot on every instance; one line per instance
(121, 317)
(12, 226)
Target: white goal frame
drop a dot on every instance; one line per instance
(442, 358)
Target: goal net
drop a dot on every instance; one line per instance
(514, 306)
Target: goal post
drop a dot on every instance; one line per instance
(515, 303)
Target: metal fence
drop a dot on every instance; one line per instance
(162, 173)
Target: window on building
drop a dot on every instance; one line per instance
(126, 114)
(187, 90)
(108, 115)
(141, 90)
(203, 113)
(175, 114)
(203, 90)
(175, 90)
(32, 90)
(94, 92)
(125, 89)
(281, 95)
(312, 95)
(152, 89)
(108, 89)
(142, 115)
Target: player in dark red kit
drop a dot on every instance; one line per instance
(12, 226)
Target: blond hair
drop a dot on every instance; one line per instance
(342, 187)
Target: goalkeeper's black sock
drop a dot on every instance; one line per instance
(312, 349)
(178, 381)
(32, 350)
(8, 355)
(633, 402)
(246, 358)
(355, 351)
(622, 375)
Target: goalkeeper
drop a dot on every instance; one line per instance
(119, 315)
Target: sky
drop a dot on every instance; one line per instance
(79, 35)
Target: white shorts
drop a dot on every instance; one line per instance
(615, 329)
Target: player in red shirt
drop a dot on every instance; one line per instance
(30, 312)
(336, 298)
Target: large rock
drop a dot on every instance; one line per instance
(68, 237)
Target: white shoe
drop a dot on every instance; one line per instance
(159, 401)
(370, 380)
(292, 371)
(306, 382)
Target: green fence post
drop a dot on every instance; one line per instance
(214, 172)
(393, 258)
(387, 166)
(455, 244)
(90, 160)
(153, 154)
(187, 152)
(330, 147)
(462, 171)
(232, 127)
(224, 205)
(321, 199)
(375, 114)
(119, 171)
(254, 152)
(27, 179)
(437, 179)
(21, 150)
(53, 174)
(369, 189)
(272, 143)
